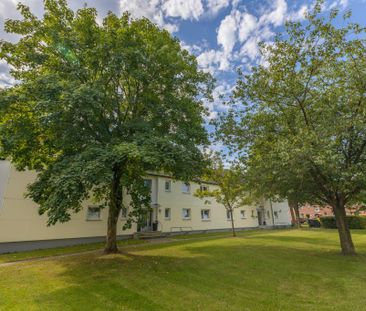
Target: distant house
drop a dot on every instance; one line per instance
(313, 211)
(174, 208)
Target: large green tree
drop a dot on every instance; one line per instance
(95, 106)
(301, 127)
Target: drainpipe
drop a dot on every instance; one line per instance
(270, 204)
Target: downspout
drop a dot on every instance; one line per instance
(270, 204)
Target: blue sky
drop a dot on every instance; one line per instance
(223, 34)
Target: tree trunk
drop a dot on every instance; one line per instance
(343, 230)
(295, 213)
(115, 205)
(232, 222)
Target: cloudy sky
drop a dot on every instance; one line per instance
(223, 34)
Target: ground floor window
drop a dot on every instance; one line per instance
(228, 215)
(242, 214)
(167, 213)
(205, 214)
(124, 213)
(94, 213)
(186, 213)
(275, 214)
(268, 215)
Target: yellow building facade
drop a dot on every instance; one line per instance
(174, 209)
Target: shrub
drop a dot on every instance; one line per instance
(354, 222)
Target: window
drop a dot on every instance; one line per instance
(203, 188)
(168, 186)
(148, 183)
(275, 214)
(186, 188)
(124, 213)
(268, 215)
(93, 213)
(228, 215)
(205, 214)
(242, 214)
(186, 213)
(167, 213)
(253, 213)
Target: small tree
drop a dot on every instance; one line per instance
(303, 118)
(96, 106)
(231, 191)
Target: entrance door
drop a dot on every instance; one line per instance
(146, 223)
(261, 220)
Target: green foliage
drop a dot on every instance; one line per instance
(300, 127)
(97, 105)
(231, 191)
(354, 222)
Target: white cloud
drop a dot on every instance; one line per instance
(212, 60)
(185, 9)
(215, 6)
(227, 32)
(149, 9)
(277, 15)
(221, 93)
(247, 25)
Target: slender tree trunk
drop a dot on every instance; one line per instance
(232, 222)
(295, 214)
(343, 230)
(115, 205)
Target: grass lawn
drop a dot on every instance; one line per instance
(40, 253)
(258, 270)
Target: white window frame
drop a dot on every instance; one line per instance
(187, 189)
(228, 215)
(189, 213)
(209, 214)
(89, 217)
(242, 214)
(170, 213)
(169, 182)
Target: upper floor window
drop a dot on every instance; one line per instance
(168, 186)
(186, 188)
(148, 183)
(94, 213)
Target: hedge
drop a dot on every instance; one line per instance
(354, 222)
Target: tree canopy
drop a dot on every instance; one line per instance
(96, 106)
(301, 127)
(231, 191)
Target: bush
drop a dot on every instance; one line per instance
(354, 222)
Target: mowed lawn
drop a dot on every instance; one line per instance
(258, 270)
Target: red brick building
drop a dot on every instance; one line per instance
(313, 211)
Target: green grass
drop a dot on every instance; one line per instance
(40, 253)
(259, 270)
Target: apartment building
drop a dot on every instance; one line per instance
(174, 208)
